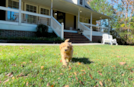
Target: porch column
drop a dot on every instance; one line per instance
(51, 11)
(101, 26)
(78, 17)
(91, 28)
(108, 26)
(19, 12)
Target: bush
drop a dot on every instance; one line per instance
(119, 39)
(33, 38)
(42, 30)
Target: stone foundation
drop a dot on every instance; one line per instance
(12, 33)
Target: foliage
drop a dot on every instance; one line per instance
(122, 12)
(92, 66)
(124, 24)
(32, 38)
(79, 31)
(42, 30)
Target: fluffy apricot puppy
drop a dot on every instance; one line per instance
(66, 49)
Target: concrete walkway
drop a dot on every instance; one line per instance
(41, 44)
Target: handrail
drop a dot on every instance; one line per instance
(57, 27)
(25, 12)
(56, 21)
(87, 32)
(8, 9)
(35, 14)
(93, 25)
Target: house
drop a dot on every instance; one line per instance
(20, 18)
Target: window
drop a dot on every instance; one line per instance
(13, 4)
(31, 19)
(31, 8)
(12, 16)
(44, 11)
(81, 2)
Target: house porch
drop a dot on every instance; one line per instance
(46, 11)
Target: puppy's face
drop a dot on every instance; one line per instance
(66, 47)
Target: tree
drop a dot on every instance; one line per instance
(125, 26)
(104, 7)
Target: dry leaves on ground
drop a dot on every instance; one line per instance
(81, 82)
(48, 84)
(10, 74)
(91, 76)
(26, 83)
(6, 81)
(122, 63)
(42, 67)
(100, 83)
(75, 73)
(66, 86)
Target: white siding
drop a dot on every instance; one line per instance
(73, 1)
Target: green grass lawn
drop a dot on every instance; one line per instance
(91, 66)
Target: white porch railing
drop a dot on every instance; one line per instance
(97, 28)
(57, 27)
(39, 18)
(86, 31)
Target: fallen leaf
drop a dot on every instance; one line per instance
(69, 76)
(14, 65)
(81, 82)
(24, 62)
(6, 81)
(118, 56)
(75, 73)
(90, 76)
(48, 84)
(70, 68)
(21, 47)
(130, 79)
(100, 83)
(42, 67)
(66, 86)
(13, 78)
(79, 63)
(122, 74)
(76, 78)
(60, 60)
(61, 73)
(27, 84)
(20, 75)
(100, 73)
(82, 70)
(122, 63)
(30, 61)
(10, 74)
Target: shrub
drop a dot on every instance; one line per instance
(42, 30)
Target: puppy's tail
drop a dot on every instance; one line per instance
(67, 40)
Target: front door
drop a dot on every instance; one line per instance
(75, 22)
(2, 13)
(61, 17)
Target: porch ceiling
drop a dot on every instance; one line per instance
(64, 6)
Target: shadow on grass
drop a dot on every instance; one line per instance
(82, 60)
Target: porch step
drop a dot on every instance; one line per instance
(76, 38)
